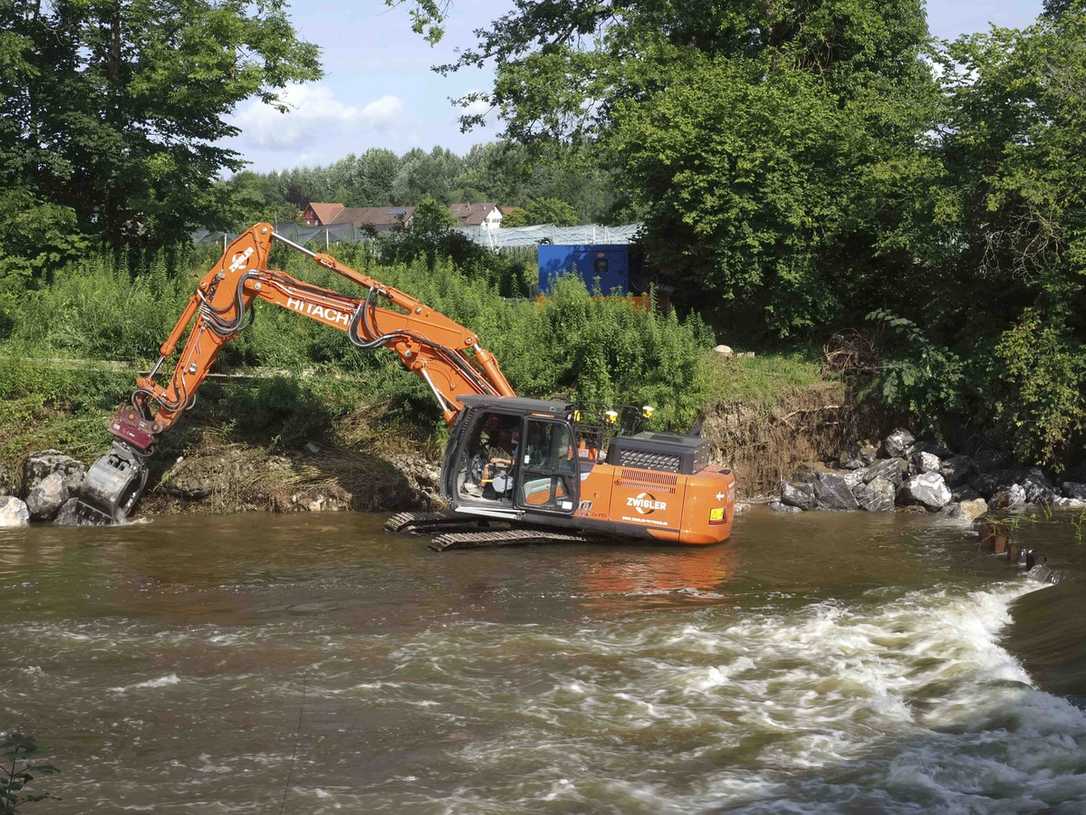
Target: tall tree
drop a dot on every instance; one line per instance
(117, 109)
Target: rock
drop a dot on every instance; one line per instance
(833, 493)
(13, 512)
(852, 477)
(971, 510)
(1009, 497)
(966, 510)
(964, 493)
(1032, 482)
(927, 489)
(777, 506)
(1039, 490)
(957, 470)
(898, 444)
(741, 507)
(798, 494)
(1069, 503)
(188, 486)
(312, 448)
(846, 462)
(892, 469)
(70, 515)
(724, 351)
(1074, 489)
(49, 479)
(925, 462)
(868, 454)
(875, 496)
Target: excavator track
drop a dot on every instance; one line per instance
(421, 523)
(506, 537)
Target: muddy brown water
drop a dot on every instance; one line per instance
(314, 664)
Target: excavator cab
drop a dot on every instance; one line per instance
(510, 456)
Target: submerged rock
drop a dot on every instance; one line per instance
(49, 479)
(927, 489)
(875, 496)
(13, 512)
(898, 444)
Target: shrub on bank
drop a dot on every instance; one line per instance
(601, 350)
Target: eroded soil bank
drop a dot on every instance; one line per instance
(207, 467)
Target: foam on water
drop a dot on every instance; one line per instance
(896, 705)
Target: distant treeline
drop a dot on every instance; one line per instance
(565, 185)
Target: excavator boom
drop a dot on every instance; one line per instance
(443, 353)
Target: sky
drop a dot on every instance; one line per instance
(378, 89)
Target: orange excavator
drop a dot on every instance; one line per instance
(515, 470)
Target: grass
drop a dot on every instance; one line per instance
(763, 380)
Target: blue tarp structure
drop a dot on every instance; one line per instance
(608, 262)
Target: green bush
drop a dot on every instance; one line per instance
(1039, 379)
(605, 351)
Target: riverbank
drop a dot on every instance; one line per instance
(267, 441)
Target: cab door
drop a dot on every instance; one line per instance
(547, 479)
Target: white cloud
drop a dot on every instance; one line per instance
(477, 107)
(314, 113)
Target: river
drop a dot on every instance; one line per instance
(310, 663)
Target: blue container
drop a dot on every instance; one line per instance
(609, 262)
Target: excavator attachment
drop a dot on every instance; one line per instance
(113, 485)
(115, 482)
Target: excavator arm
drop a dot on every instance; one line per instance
(443, 353)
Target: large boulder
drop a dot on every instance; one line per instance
(957, 470)
(875, 496)
(925, 462)
(49, 479)
(833, 493)
(927, 489)
(798, 494)
(898, 444)
(891, 469)
(1074, 489)
(13, 512)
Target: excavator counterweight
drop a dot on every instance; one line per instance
(515, 470)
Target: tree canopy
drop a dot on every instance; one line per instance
(112, 113)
